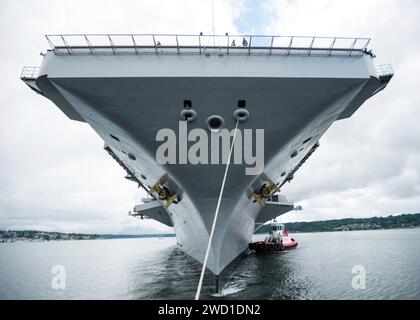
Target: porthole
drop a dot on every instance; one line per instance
(114, 137)
(294, 154)
(307, 140)
(215, 123)
(132, 156)
(241, 115)
(187, 104)
(241, 104)
(188, 115)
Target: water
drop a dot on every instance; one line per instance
(321, 268)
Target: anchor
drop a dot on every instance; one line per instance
(265, 192)
(163, 194)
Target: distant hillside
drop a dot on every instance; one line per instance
(392, 222)
(133, 236)
(30, 235)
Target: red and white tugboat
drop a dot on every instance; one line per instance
(278, 239)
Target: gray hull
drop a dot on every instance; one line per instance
(128, 98)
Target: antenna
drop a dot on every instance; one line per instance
(213, 28)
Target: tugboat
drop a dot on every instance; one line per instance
(277, 240)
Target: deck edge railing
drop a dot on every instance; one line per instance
(224, 44)
(385, 70)
(29, 73)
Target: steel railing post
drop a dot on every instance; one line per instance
(290, 46)
(154, 41)
(228, 44)
(271, 45)
(65, 44)
(310, 47)
(135, 44)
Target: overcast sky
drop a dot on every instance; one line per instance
(55, 175)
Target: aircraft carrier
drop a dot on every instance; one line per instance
(128, 87)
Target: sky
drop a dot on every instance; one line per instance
(55, 175)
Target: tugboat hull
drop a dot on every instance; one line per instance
(269, 247)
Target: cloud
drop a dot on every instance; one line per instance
(54, 173)
(369, 164)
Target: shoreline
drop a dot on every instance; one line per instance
(123, 237)
(360, 230)
(44, 236)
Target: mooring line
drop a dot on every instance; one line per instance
(203, 270)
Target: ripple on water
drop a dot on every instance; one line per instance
(149, 269)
